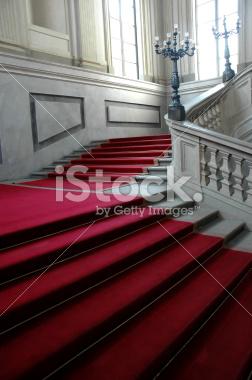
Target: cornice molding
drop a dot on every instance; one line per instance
(42, 69)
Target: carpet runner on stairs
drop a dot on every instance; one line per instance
(223, 347)
(120, 157)
(88, 268)
(27, 213)
(129, 153)
(123, 294)
(152, 337)
(142, 138)
(93, 183)
(35, 254)
(132, 296)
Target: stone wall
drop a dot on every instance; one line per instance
(43, 103)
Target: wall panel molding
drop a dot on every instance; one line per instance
(120, 114)
(54, 117)
(30, 67)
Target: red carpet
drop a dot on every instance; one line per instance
(151, 142)
(85, 270)
(119, 161)
(73, 185)
(108, 148)
(104, 177)
(129, 153)
(139, 349)
(223, 347)
(107, 168)
(141, 138)
(33, 254)
(89, 297)
(121, 157)
(125, 157)
(27, 212)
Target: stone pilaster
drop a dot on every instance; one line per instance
(13, 24)
(91, 34)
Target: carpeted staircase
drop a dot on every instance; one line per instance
(117, 158)
(132, 296)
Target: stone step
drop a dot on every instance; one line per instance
(201, 216)
(39, 174)
(168, 153)
(60, 162)
(86, 148)
(164, 161)
(49, 168)
(225, 228)
(148, 177)
(177, 203)
(72, 156)
(158, 170)
(97, 142)
(242, 242)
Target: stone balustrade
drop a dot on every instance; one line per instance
(226, 172)
(226, 108)
(211, 118)
(218, 165)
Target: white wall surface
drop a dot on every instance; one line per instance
(19, 158)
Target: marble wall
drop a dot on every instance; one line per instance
(65, 63)
(41, 103)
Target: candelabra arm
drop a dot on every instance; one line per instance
(170, 49)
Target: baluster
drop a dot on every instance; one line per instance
(210, 119)
(237, 177)
(219, 163)
(226, 175)
(218, 124)
(214, 117)
(204, 160)
(205, 118)
(245, 170)
(247, 185)
(215, 175)
(201, 121)
(218, 117)
(217, 107)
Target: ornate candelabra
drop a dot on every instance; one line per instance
(169, 48)
(228, 72)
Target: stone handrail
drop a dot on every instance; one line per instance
(220, 165)
(208, 110)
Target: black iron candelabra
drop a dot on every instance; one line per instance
(169, 49)
(228, 72)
